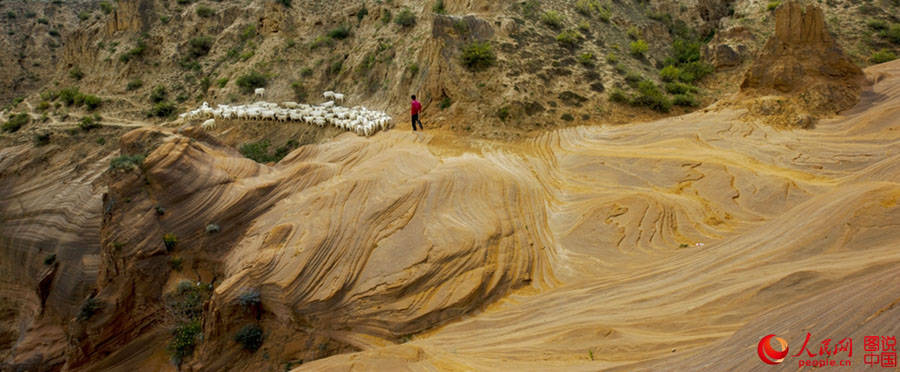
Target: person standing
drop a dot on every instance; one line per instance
(415, 110)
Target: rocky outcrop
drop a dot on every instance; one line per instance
(803, 64)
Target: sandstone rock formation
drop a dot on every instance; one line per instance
(802, 64)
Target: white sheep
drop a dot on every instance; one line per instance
(328, 95)
(259, 92)
(209, 124)
(339, 97)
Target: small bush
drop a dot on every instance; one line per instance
(362, 13)
(204, 11)
(340, 33)
(162, 109)
(883, 56)
(478, 56)
(567, 117)
(250, 337)
(176, 263)
(257, 151)
(552, 19)
(687, 100)
(126, 162)
(16, 122)
(53, 33)
(694, 71)
(386, 17)
(612, 59)
(633, 79)
(222, 82)
(892, 34)
(50, 259)
(132, 53)
(41, 139)
(445, 103)
(76, 73)
(158, 94)
(43, 21)
(249, 299)
(438, 7)
(773, 5)
(503, 113)
(248, 32)
(587, 7)
(91, 101)
(200, 46)
(586, 59)
(680, 88)
(638, 48)
(618, 95)
(186, 334)
(164, 19)
(89, 308)
(106, 7)
(568, 38)
(134, 85)
(81, 15)
(669, 73)
(604, 14)
(286, 3)
(212, 228)
(170, 240)
(251, 80)
(651, 96)
(405, 18)
(634, 33)
(89, 122)
(878, 24)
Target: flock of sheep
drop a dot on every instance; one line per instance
(359, 120)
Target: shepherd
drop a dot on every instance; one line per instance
(416, 109)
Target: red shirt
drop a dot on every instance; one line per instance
(416, 107)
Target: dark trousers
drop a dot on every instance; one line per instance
(415, 119)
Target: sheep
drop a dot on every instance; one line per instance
(328, 94)
(327, 104)
(339, 97)
(290, 105)
(209, 124)
(259, 92)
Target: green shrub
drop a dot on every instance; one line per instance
(634, 33)
(126, 162)
(185, 339)
(568, 38)
(618, 95)
(604, 14)
(81, 15)
(286, 3)
(89, 308)
(43, 21)
(251, 80)
(170, 241)
(612, 59)
(680, 88)
(335, 68)
(878, 24)
(478, 56)
(405, 18)
(158, 94)
(137, 51)
(687, 100)
(249, 299)
(76, 73)
(89, 122)
(176, 263)
(248, 32)
(883, 56)
(164, 19)
(185, 304)
(16, 122)
(200, 46)
(340, 33)
(222, 82)
(893, 34)
(445, 103)
(50, 259)
(250, 337)
(638, 48)
(503, 113)
(163, 109)
(134, 85)
(322, 40)
(438, 7)
(686, 51)
(773, 5)
(651, 96)
(212, 228)
(552, 19)
(362, 13)
(258, 151)
(586, 59)
(106, 7)
(386, 17)
(694, 71)
(633, 78)
(54, 33)
(669, 73)
(587, 7)
(41, 139)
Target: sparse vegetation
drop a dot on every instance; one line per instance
(478, 56)
(200, 46)
(362, 13)
(186, 306)
(16, 122)
(106, 7)
(251, 80)
(405, 18)
(300, 92)
(162, 109)
(249, 299)
(438, 7)
(586, 59)
(259, 151)
(638, 48)
(503, 113)
(134, 85)
(158, 94)
(773, 5)
(892, 34)
(170, 241)
(138, 51)
(286, 3)
(212, 228)
(445, 103)
(41, 139)
(552, 19)
(568, 38)
(76, 73)
(669, 73)
(386, 17)
(883, 56)
(633, 33)
(250, 337)
(176, 263)
(126, 162)
(651, 96)
(340, 33)
(88, 308)
(89, 122)
(687, 100)
(50, 258)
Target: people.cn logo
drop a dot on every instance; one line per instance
(768, 354)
